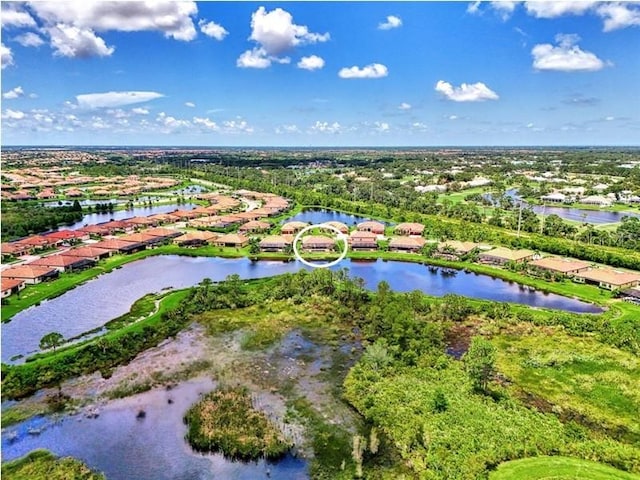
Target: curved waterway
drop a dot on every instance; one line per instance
(126, 447)
(108, 296)
(95, 218)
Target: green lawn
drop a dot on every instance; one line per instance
(558, 468)
(576, 374)
(42, 465)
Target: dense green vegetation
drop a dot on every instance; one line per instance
(42, 465)
(21, 219)
(224, 420)
(558, 468)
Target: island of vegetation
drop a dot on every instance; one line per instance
(43, 465)
(225, 421)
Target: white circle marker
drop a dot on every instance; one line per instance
(322, 265)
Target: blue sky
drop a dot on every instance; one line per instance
(320, 74)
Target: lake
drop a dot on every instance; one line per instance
(316, 216)
(108, 296)
(125, 447)
(95, 218)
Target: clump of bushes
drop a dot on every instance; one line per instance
(225, 421)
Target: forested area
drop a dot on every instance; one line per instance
(22, 219)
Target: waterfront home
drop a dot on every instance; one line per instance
(195, 239)
(409, 229)
(291, 228)
(141, 222)
(162, 218)
(11, 286)
(363, 240)
(406, 244)
(143, 238)
(608, 279)
(118, 245)
(264, 212)
(30, 274)
(119, 226)
(342, 228)
(554, 198)
(598, 200)
(371, 226)
(231, 240)
(455, 249)
(64, 263)
(95, 230)
(502, 255)
(276, 243)
(163, 233)
(183, 215)
(564, 266)
(91, 252)
(249, 216)
(317, 243)
(254, 226)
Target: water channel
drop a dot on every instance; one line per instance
(95, 218)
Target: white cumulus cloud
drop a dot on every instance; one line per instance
(212, 29)
(290, 128)
(13, 93)
(276, 33)
(190, 104)
(554, 9)
(473, 92)
(618, 15)
(115, 99)
(375, 70)
(206, 123)
(391, 22)
(615, 15)
(12, 16)
(29, 39)
(311, 63)
(255, 58)
(382, 127)
(326, 127)
(13, 114)
(404, 106)
(6, 56)
(565, 57)
(140, 111)
(173, 19)
(71, 41)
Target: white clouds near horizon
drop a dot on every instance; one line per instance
(472, 92)
(374, 70)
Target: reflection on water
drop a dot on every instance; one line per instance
(125, 447)
(106, 297)
(95, 218)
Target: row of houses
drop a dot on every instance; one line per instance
(377, 228)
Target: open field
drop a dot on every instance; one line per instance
(558, 468)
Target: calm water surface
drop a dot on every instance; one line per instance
(322, 216)
(106, 297)
(152, 448)
(95, 218)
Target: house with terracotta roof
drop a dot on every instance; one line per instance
(276, 243)
(118, 226)
(140, 222)
(64, 263)
(11, 286)
(91, 252)
(197, 238)
(162, 218)
(359, 240)
(406, 244)
(608, 279)
(317, 243)
(164, 233)
(39, 242)
(118, 245)
(68, 237)
(95, 230)
(254, 226)
(231, 240)
(564, 266)
(502, 255)
(371, 226)
(30, 274)
(409, 229)
(183, 215)
(14, 249)
(291, 228)
(143, 238)
(249, 216)
(342, 227)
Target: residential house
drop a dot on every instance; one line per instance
(371, 226)
(291, 228)
(91, 252)
(254, 226)
(276, 243)
(454, 249)
(163, 233)
(608, 279)
(118, 245)
(341, 227)
(14, 249)
(64, 263)
(564, 266)
(11, 286)
(232, 240)
(363, 240)
(317, 243)
(30, 274)
(197, 238)
(143, 238)
(502, 255)
(406, 244)
(68, 237)
(409, 229)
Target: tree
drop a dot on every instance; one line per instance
(479, 362)
(51, 340)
